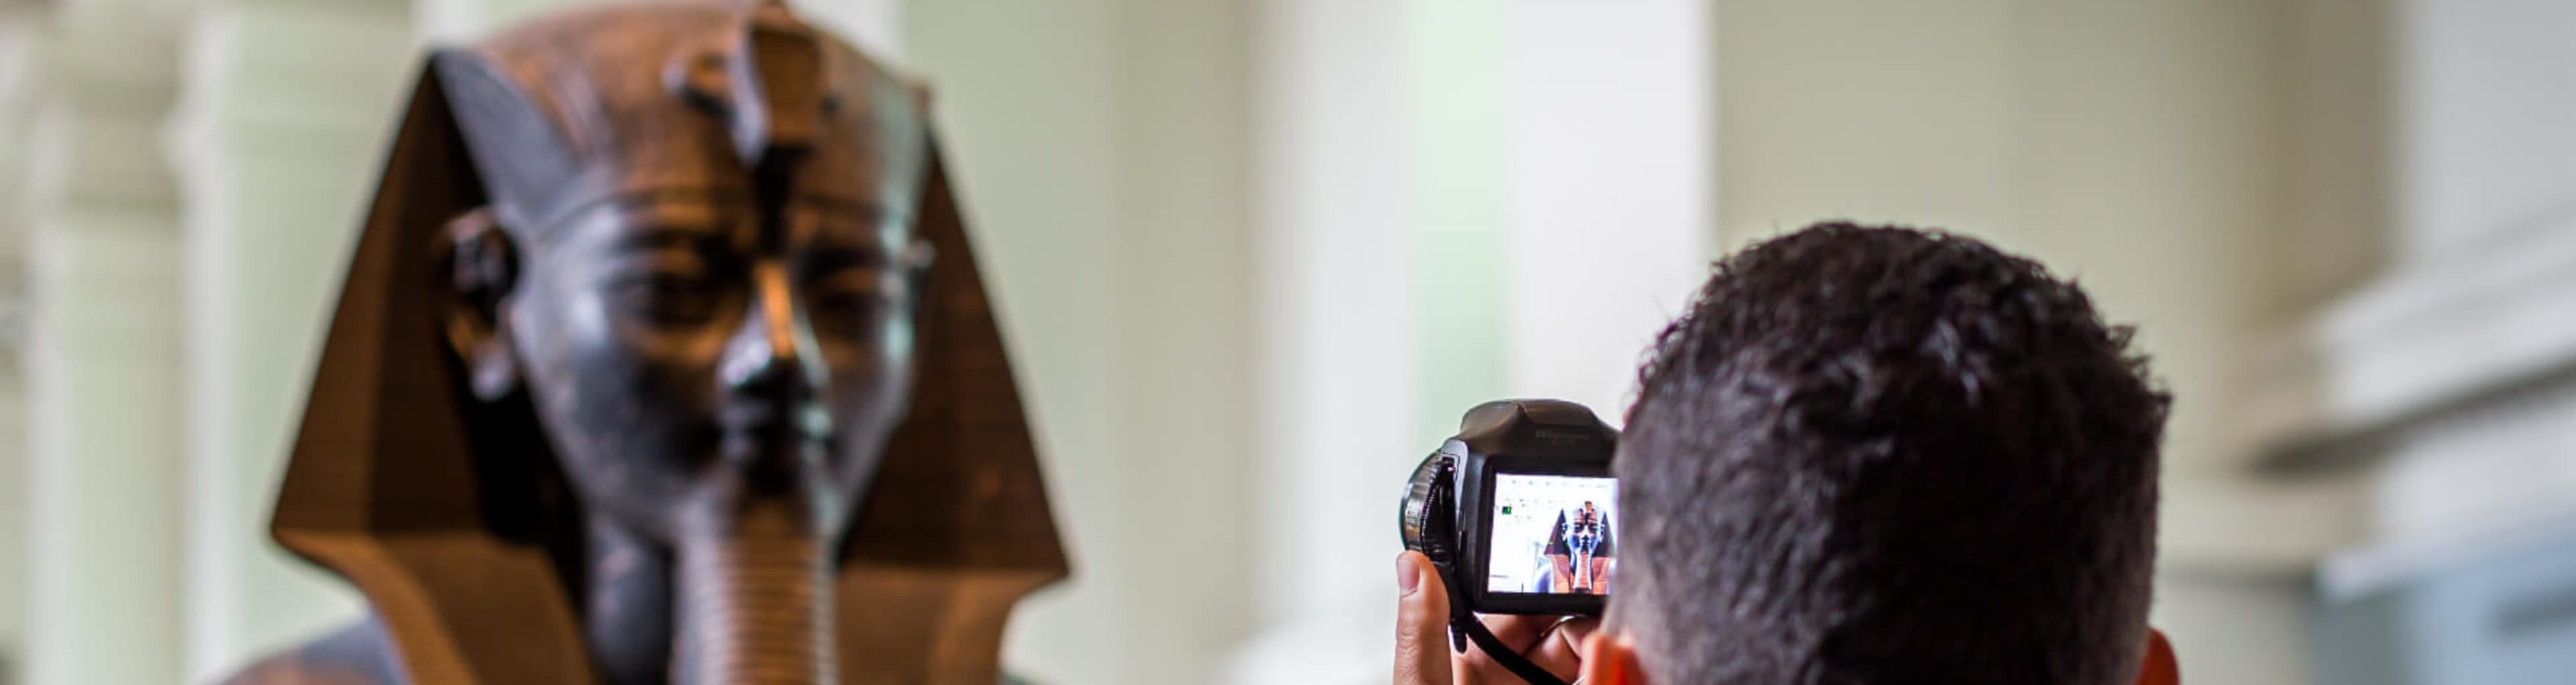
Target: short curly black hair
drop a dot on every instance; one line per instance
(1887, 455)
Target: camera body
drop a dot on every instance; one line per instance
(1516, 510)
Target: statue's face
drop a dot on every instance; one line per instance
(1587, 520)
(685, 357)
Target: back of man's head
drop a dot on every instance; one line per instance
(1874, 455)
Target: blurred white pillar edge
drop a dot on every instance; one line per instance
(1334, 370)
(19, 68)
(1610, 182)
(1603, 125)
(103, 483)
(276, 153)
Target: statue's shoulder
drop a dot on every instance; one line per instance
(356, 655)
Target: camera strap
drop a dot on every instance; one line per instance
(1465, 624)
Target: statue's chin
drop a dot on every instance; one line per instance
(754, 598)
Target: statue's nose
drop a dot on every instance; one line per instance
(772, 355)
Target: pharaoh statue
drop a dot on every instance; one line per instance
(663, 358)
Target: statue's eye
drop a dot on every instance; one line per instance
(854, 291)
(668, 296)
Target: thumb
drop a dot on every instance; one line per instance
(1421, 623)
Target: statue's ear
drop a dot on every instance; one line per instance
(384, 486)
(385, 380)
(480, 264)
(2159, 666)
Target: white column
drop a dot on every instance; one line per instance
(1337, 372)
(277, 154)
(1610, 190)
(1185, 289)
(104, 487)
(19, 68)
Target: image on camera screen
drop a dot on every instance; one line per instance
(1551, 535)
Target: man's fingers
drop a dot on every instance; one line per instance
(1519, 631)
(1421, 623)
(1422, 654)
(1551, 642)
(1576, 632)
(1561, 650)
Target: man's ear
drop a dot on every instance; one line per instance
(481, 265)
(2159, 667)
(1610, 659)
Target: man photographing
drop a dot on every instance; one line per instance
(1865, 455)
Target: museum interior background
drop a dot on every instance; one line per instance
(1254, 256)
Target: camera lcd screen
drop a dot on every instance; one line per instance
(1552, 534)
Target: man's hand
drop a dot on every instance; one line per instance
(1422, 655)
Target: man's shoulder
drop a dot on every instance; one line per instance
(355, 655)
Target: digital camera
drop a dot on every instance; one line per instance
(1517, 510)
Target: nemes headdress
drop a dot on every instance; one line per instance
(392, 482)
